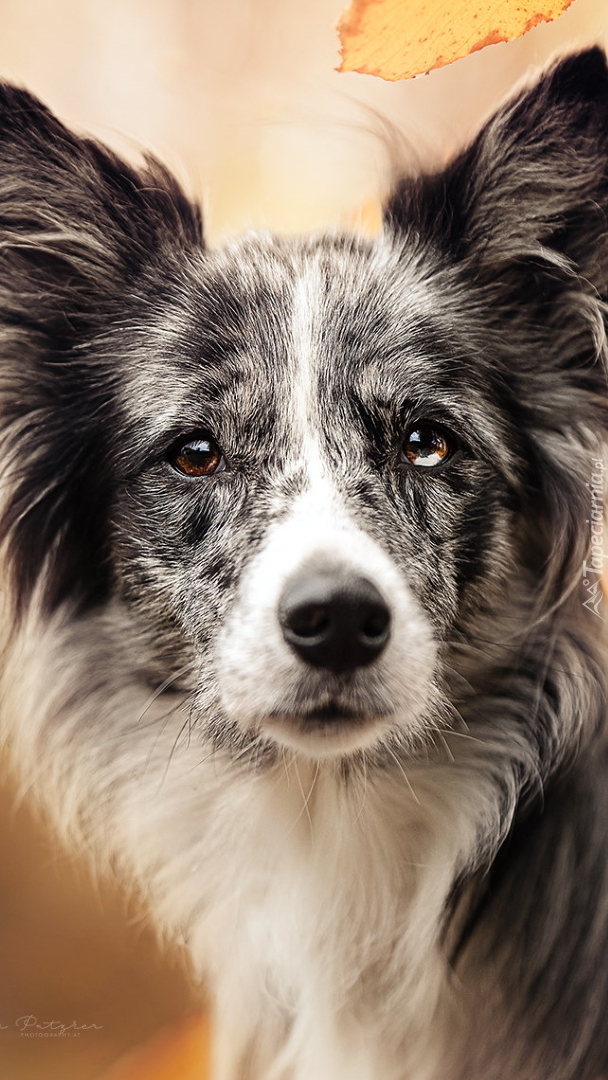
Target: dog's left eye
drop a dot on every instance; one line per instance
(197, 455)
(426, 445)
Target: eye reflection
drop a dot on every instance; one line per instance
(427, 445)
(197, 455)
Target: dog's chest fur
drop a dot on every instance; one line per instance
(332, 926)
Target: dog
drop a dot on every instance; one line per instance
(302, 627)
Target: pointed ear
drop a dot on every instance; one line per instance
(534, 182)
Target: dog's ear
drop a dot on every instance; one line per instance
(74, 213)
(533, 183)
(520, 219)
(81, 235)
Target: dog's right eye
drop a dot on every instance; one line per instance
(197, 455)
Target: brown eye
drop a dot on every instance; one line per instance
(198, 455)
(426, 445)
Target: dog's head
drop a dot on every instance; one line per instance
(306, 469)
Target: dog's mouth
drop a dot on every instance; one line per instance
(327, 714)
(328, 728)
(332, 713)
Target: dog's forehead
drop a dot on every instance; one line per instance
(285, 326)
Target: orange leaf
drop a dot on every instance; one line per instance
(397, 39)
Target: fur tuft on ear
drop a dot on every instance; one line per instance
(72, 201)
(78, 229)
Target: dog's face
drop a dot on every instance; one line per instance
(304, 469)
(315, 480)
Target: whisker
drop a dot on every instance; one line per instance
(186, 724)
(364, 788)
(161, 689)
(402, 771)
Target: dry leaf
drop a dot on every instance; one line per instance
(397, 39)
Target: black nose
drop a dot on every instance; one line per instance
(332, 621)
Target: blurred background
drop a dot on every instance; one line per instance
(240, 98)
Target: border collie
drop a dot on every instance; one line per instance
(302, 629)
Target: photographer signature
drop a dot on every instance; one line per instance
(31, 1026)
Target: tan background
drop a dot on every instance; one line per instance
(240, 97)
